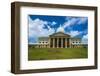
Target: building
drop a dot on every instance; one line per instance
(58, 40)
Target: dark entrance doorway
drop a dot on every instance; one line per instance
(68, 42)
(59, 45)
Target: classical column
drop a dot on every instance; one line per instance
(57, 42)
(61, 42)
(66, 42)
(70, 44)
(53, 42)
(49, 42)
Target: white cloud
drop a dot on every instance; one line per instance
(72, 21)
(85, 36)
(82, 20)
(74, 33)
(53, 23)
(36, 28)
(85, 39)
(69, 22)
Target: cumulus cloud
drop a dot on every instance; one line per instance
(53, 23)
(85, 39)
(69, 22)
(36, 28)
(74, 21)
(74, 33)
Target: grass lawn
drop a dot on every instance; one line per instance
(56, 53)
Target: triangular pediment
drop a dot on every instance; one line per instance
(59, 34)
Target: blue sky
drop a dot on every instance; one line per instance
(45, 25)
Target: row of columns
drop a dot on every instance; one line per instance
(57, 46)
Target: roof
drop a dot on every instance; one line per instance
(43, 38)
(76, 38)
(58, 34)
(33, 43)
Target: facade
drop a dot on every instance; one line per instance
(58, 40)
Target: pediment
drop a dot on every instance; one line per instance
(59, 34)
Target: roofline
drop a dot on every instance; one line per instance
(43, 37)
(59, 32)
(75, 38)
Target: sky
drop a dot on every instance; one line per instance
(45, 25)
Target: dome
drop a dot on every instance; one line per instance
(60, 29)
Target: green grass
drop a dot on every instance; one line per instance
(56, 53)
